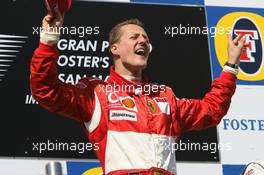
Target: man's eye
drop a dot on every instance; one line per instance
(133, 37)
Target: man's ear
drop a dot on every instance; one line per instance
(114, 49)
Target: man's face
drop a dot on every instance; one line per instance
(133, 47)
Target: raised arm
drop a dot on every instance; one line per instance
(196, 114)
(73, 101)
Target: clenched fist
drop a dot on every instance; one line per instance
(52, 22)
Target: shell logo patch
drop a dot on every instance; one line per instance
(128, 102)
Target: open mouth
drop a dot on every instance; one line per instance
(141, 51)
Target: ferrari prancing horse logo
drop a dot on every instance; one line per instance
(152, 107)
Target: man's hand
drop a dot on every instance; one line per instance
(52, 22)
(235, 48)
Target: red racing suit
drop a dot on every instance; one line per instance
(136, 126)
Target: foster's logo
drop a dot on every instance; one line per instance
(251, 26)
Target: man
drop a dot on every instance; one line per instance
(135, 129)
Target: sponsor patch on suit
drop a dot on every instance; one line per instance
(123, 115)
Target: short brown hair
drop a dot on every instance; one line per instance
(115, 34)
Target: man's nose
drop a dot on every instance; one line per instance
(142, 39)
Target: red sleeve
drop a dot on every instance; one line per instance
(196, 114)
(73, 101)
